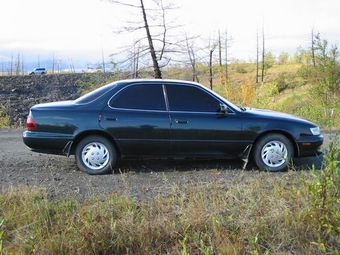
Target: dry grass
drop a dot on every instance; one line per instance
(271, 214)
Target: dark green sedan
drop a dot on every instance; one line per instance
(166, 119)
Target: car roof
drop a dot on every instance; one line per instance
(146, 80)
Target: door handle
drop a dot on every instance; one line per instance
(111, 118)
(182, 121)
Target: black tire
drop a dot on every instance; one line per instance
(273, 152)
(95, 155)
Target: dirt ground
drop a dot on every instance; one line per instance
(141, 180)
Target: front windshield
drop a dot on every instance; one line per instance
(89, 97)
(235, 107)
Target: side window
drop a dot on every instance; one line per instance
(189, 98)
(141, 97)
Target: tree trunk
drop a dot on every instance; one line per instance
(313, 49)
(263, 55)
(210, 69)
(157, 71)
(226, 55)
(257, 57)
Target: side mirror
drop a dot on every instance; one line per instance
(223, 108)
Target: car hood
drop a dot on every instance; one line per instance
(270, 114)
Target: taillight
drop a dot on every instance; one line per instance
(30, 124)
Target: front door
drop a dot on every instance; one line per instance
(198, 127)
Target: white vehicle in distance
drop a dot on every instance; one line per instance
(40, 70)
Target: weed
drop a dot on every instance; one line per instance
(323, 192)
(4, 118)
(2, 233)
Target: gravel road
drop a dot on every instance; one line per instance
(142, 180)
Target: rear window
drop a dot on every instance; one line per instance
(93, 95)
(141, 97)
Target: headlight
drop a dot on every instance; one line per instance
(315, 130)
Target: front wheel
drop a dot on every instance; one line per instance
(95, 155)
(273, 152)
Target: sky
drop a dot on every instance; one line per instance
(82, 30)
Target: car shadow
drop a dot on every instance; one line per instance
(180, 165)
(166, 165)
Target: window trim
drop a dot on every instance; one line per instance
(230, 110)
(166, 99)
(134, 109)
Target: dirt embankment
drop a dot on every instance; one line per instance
(19, 93)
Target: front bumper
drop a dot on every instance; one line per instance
(309, 146)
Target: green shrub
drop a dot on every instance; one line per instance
(323, 192)
(265, 94)
(4, 118)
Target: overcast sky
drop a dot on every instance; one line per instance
(82, 29)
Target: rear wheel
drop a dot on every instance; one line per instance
(95, 155)
(273, 152)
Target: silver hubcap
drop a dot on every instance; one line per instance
(274, 154)
(95, 156)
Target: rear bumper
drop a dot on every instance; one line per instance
(44, 142)
(309, 146)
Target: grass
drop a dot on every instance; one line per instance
(285, 213)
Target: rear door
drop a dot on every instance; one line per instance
(198, 127)
(138, 120)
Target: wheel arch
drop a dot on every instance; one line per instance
(286, 134)
(86, 133)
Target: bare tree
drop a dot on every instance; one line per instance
(22, 64)
(220, 62)
(227, 40)
(192, 57)
(211, 51)
(18, 65)
(313, 48)
(53, 62)
(11, 66)
(226, 45)
(71, 66)
(59, 65)
(156, 69)
(257, 56)
(219, 49)
(212, 48)
(136, 61)
(153, 20)
(263, 55)
(103, 60)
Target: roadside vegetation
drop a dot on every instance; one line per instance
(288, 213)
(4, 118)
(297, 212)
